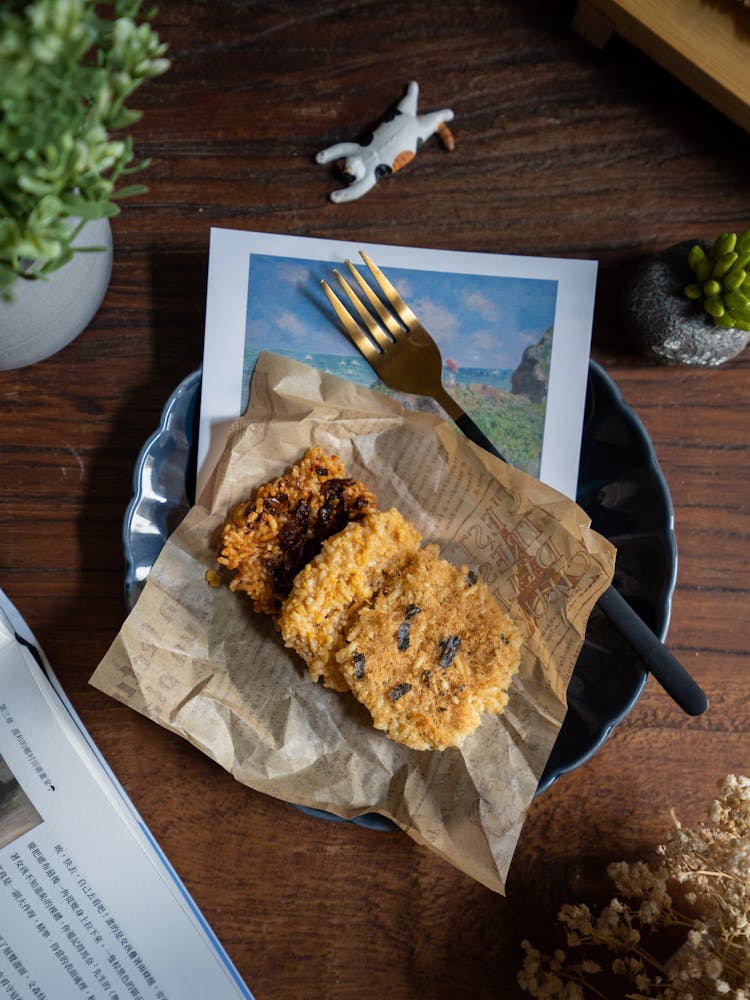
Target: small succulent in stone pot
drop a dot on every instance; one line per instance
(690, 305)
(722, 279)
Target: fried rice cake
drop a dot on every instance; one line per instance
(268, 539)
(432, 653)
(330, 591)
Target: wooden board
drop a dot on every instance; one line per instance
(706, 45)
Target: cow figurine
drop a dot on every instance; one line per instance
(392, 145)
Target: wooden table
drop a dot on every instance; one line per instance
(560, 150)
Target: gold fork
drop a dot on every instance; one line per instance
(398, 347)
(407, 359)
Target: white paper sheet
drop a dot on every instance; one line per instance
(483, 310)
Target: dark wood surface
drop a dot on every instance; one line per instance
(560, 150)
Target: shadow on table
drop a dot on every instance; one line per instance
(172, 334)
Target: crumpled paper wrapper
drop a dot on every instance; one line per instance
(198, 661)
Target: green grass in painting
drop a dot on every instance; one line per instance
(512, 422)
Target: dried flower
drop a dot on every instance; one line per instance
(709, 870)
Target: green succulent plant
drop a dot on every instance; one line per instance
(723, 279)
(66, 71)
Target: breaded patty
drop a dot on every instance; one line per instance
(432, 653)
(268, 539)
(329, 592)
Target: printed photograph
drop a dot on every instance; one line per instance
(17, 814)
(494, 334)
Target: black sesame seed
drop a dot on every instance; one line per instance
(403, 639)
(399, 691)
(448, 649)
(411, 610)
(359, 666)
(471, 578)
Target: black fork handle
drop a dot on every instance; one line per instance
(472, 432)
(656, 658)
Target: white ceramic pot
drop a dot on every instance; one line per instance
(47, 314)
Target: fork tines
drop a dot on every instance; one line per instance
(379, 338)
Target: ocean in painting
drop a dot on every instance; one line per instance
(512, 422)
(482, 324)
(356, 369)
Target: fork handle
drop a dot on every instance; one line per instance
(464, 422)
(473, 433)
(656, 658)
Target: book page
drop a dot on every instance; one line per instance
(89, 907)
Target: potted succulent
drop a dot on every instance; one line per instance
(691, 304)
(67, 68)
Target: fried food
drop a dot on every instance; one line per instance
(330, 591)
(432, 653)
(420, 643)
(268, 539)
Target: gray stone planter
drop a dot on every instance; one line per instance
(668, 327)
(46, 315)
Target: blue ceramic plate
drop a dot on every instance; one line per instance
(620, 486)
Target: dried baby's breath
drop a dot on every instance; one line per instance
(708, 870)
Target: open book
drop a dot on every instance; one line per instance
(89, 906)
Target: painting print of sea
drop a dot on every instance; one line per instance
(495, 378)
(356, 369)
(482, 324)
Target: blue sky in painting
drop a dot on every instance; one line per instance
(478, 321)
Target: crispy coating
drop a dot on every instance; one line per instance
(330, 591)
(432, 653)
(268, 539)
(419, 642)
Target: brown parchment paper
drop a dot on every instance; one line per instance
(196, 660)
